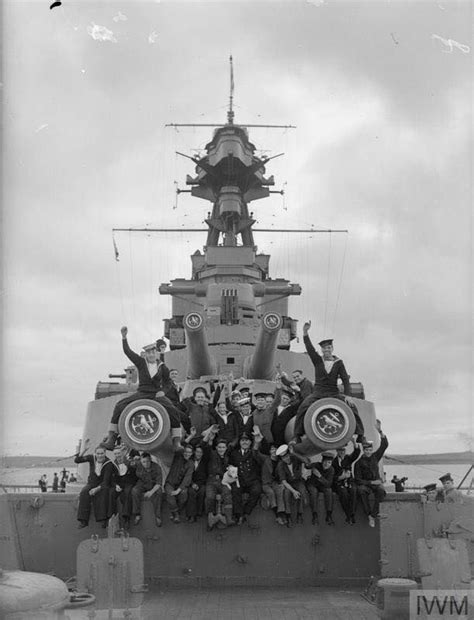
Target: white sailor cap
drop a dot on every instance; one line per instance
(149, 347)
(282, 450)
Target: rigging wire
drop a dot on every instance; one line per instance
(132, 283)
(341, 275)
(119, 282)
(150, 254)
(327, 283)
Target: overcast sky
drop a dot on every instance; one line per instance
(380, 93)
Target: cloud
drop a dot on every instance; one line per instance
(382, 148)
(101, 33)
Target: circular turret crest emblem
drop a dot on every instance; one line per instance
(143, 424)
(193, 320)
(330, 422)
(272, 320)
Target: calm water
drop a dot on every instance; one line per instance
(418, 475)
(31, 475)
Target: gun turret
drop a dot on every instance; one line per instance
(329, 423)
(260, 365)
(200, 361)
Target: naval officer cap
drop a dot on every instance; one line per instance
(260, 395)
(149, 347)
(327, 456)
(326, 342)
(430, 487)
(245, 436)
(282, 450)
(446, 477)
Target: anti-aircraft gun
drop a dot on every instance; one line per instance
(231, 317)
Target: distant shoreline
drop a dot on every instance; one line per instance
(467, 458)
(7, 462)
(444, 457)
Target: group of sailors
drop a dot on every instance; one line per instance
(58, 485)
(448, 493)
(212, 478)
(231, 451)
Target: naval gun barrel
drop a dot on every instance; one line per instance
(200, 361)
(260, 365)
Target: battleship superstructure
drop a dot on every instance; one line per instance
(230, 319)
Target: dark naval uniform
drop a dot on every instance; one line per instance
(346, 488)
(305, 387)
(146, 480)
(227, 427)
(292, 474)
(242, 424)
(179, 476)
(366, 471)
(147, 387)
(100, 474)
(325, 386)
(195, 501)
(281, 417)
(320, 484)
(216, 468)
(249, 478)
(124, 477)
(199, 417)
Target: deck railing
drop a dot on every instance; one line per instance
(32, 488)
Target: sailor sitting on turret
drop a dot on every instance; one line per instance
(327, 370)
(153, 380)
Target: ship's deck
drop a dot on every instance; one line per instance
(242, 603)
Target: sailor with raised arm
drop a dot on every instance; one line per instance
(328, 368)
(153, 382)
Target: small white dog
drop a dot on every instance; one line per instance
(231, 476)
